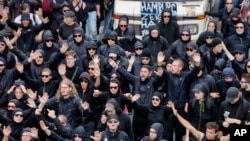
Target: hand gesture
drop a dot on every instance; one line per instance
(64, 48)
(51, 113)
(197, 57)
(6, 131)
(34, 132)
(159, 71)
(97, 136)
(38, 111)
(43, 125)
(11, 89)
(131, 60)
(160, 57)
(135, 97)
(45, 20)
(171, 104)
(85, 105)
(97, 71)
(96, 93)
(19, 67)
(18, 32)
(44, 98)
(23, 89)
(31, 94)
(7, 42)
(96, 59)
(128, 96)
(31, 103)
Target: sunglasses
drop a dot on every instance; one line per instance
(155, 99)
(138, 49)
(209, 37)
(189, 49)
(84, 80)
(248, 66)
(91, 69)
(45, 76)
(145, 58)
(111, 87)
(240, 53)
(229, 3)
(1, 65)
(112, 121)
(20, 115)
(11, 106)
(187, 35)
(77, 36)
(123, 25)
(65, 10)
(239, 27)
(166, 16)
(49, 40)
(75, 135)
(91, 48)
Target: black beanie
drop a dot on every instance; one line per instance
(216, 41)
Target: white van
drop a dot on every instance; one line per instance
(143, 13)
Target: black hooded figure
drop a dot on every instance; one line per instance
(168, 26)
(158, 127)
(155, 112)
(178, 47)
(7, 113)
(79, 132)
(154, 41)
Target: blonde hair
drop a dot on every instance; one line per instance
(73, 92)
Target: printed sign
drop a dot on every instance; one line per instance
(151, 13)
(239, 132)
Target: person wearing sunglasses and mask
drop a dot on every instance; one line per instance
(122, 28)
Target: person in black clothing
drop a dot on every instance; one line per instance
(123, 27)
(6, 54)
(26, 41)
(229, 25)
(245, 86)
(209, 36)
(211, 26)
(154, 112)
(228, 80)
(155, 133)
(28, 134)
(233, 110)
(224, 13)
(177, 90)
(219, 65)
(112, 107)
(112, 131)
(168, 26)
(128, 43)
(155, 42)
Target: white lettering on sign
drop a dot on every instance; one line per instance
(240, 132)
(151, 13)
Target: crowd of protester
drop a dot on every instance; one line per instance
(59, 82)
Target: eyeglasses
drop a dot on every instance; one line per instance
(46, 76)
(187, 35)
(2, 44)
(112, 121)
(91, 48)
(91, 69)
(11, 106)
(49, 40)
(84, 80)
(20, 115)
(123, 25)
(111, 39)
(156, 99)
(145, 58)
(138, 49)
(240, 53)
(239, 27)
(113, 87)
(189, 49)
(209, 37)
(229, 3)
(77, 36)
(1, 65)
(166, 16)
(76, 135)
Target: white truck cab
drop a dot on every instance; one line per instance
(143, 13)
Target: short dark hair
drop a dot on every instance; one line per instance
(147, 67)
(212, 125)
